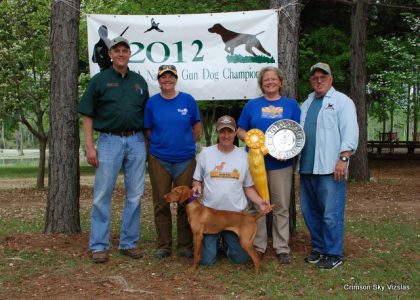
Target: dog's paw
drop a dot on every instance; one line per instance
(192, 269)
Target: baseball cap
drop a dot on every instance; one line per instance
(119, 40)
(167, 68)
(321, 66)
(225, 122)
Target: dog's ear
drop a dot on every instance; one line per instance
(184, 192)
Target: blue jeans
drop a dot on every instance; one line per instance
(323, 201)
(116, 153)
(174, 169)
(231, 248)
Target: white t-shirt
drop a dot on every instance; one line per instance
(224, 176)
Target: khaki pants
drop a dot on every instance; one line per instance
(279, 185)
(162, 183)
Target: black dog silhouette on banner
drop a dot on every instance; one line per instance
(101, 48)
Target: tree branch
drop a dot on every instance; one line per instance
(25, 122)
(396, 6)
(372, 2)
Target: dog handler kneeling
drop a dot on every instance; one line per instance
(223, 169)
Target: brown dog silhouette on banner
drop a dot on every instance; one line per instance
(234, 39)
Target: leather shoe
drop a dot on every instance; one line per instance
(187, 253)
(134, 253)
(284, 258)
(162, 253)
(100, 257)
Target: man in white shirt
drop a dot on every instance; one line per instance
(332, 133)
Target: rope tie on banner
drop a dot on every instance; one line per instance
(282, 10)
(68, 3)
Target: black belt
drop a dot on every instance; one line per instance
(124, 133)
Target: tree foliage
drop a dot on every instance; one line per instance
(392, 58)
(392, 52)
(25, 62)
(24, 55)
(394, 72)
(327, 44)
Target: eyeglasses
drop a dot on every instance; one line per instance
(319, 78)
(166, 67)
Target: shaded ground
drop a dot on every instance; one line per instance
(393, 194)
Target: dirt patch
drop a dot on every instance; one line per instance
(393, 193)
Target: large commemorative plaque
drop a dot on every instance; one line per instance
(284, 139)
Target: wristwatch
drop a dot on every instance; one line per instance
(344, 158)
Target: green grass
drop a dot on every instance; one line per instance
(29, 171)
(10, 226)
(385, 253)
(237, 58)
(19, 266)
(383, 261)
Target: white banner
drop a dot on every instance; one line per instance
(218, 56)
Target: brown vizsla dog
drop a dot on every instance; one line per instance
(207, 220)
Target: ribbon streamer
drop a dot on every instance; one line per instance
(255, 140)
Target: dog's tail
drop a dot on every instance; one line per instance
(260, 214)
(260, 32)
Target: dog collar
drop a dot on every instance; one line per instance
(192, 198)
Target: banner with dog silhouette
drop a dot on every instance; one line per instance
(218, 55)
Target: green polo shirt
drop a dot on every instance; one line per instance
(115, 102)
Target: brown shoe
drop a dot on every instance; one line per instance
(162, 253)
(100, 257)
(134, 253)
(284, 258)
(187, 253)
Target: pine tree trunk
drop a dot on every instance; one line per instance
(407, 116)
(288, 43)
(207, 122)
(359, 163)
(41, 166)
(2, 136)
(415, 110)
(288, 46)
(19, 140)
(62, 213)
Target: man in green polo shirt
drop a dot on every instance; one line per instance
(113, 104)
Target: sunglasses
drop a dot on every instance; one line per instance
(165, 67)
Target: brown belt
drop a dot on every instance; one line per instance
(124, 133)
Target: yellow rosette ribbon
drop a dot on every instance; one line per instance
(255, 140)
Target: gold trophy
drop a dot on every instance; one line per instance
(255, 140)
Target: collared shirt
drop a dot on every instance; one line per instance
(115, 102)
(337, 129)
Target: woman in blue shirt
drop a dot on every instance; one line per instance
(260, 113)
(172, 122)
